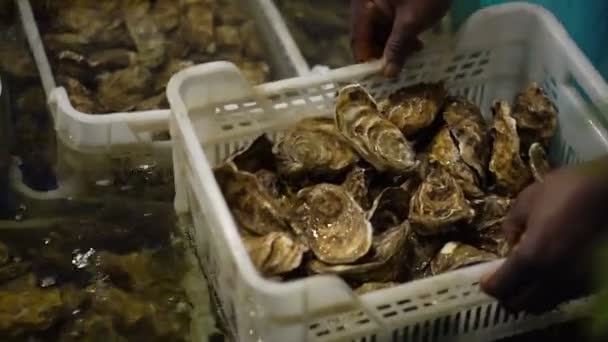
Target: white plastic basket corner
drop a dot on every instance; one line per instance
(215, 113)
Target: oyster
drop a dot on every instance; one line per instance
(252, 44)
(172, 67)
(491, 212)
(80, 96)
(376, 139)
(510, 172)
(112, 59)
(536, 116)
(166, 14)
(253, 208)
(469, 129)
(333, 223)
(445, 153)
(538, 161)
(455, 255)
(198, 27)
(270, 181)
(228, 38)
(274, 253)
(357, 184)
(371, 287)
(383, 263)
(420, 251)
(256, 156)
(255, 72)
(313, 147)
(438, 204)
(121, 90)
(391, 207)
(414, 108)
(154, 102)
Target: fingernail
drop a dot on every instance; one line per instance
(391, 70)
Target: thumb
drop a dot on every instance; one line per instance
(401, 42)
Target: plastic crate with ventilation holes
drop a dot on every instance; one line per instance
(215, 112)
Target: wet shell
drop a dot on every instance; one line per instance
(313, 146)
(383, 263)
(252, 206)
(491, 212)
(438, 204)
(455, 255)
(357, 185)
(414, 108)
(445, 153)
(538, 162)
(536, 115)
(274, 253)
(333, 223)
(510, 172)
(255, 156)
(374, 286)
(391, 207)
(376, 139)
(469, 129)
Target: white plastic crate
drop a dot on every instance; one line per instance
(215, 112)
(85, 134)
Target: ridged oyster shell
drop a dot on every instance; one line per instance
(376, 139)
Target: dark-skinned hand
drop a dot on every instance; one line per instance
(389, 29)
(553, 227)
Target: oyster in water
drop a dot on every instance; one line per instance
(510, 172)
(445, 153)
(274, 253)
(121, 90)
(382, 264)
(313, 147)
(414, 108)
(333, 223)
(438, 204)
(455, 255)
(467, 126)
(538, 161)
(253, 208)
(536, 116)
(376, 139)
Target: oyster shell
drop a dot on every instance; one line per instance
(270, 181)
(256, 156)
(391, 206)
(414, 108)
(374, 286)
(149, 39)
(333, 223)
(357, 184)
(438, 204)
(510, 172)
(112, 59)
(491, 212)
(252, 45)
(228, 38)
(274, 253)
(445, 153)
(172, 67)
(253, 208)
(538, 161)
(198, 27)
(469, 129)
(383, 263)
(376, 139)
(455, 255)
(420, 252)
(536, 116)
(313, 147)
(154, 102)
(120, 91)
(80, 96)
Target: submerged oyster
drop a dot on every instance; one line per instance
(376, 139)
(438, 204)
(510, 172)
(121, 90)
(148, 38)
(274, 253)
(383, 264)
(253, 208)
(313, 147)
(467, 126)
(536, 116)
(198, 26)
(455, 255)
(374, 286)
(80, 96)
(333, 223)
(445, 153)
(414, 108)
(538, 162)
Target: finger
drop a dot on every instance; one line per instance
(515, 222)
(366, 17)
(529, 299)
(401, 42)
(514, 274)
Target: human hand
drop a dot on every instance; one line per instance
(553, 227)
(390, 28)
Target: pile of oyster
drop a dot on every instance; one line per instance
(117, 56)
(415, 185)
(321, 29)
(109, 271)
